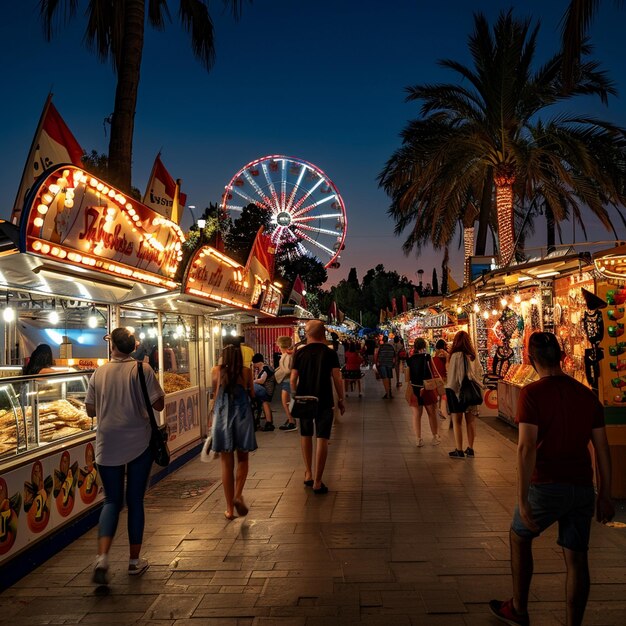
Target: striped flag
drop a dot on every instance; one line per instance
(261, 258)
(297, 293)
(163, 192)
(53, 144)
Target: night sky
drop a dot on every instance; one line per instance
(323, 81)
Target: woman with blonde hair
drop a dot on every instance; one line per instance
(233, 426)
(418, 369)
(282, 374)
(463, 361)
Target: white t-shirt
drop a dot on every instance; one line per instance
(123, 431)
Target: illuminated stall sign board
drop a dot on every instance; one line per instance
(217, 278)
(77, 219)
(612, 266)
(270, 302)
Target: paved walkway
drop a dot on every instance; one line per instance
(406, 536)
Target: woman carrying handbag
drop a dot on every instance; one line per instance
(418, 371)
(464, 364)
(122, 446)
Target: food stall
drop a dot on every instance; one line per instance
(84, 259)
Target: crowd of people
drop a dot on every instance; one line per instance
(555, 472)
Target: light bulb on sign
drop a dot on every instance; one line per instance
(533, 301)
(503, 302)
(233, 332)
(517, 298)
(53, 318)
(8, 314)
(476, 308)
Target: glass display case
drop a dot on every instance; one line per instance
(38, 410)
(518, 376)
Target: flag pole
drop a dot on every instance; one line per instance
(29, 156)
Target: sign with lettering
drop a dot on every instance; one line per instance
(270, 302)
(214, 277)
(77, 219)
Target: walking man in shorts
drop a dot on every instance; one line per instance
(385, 359)
(557, 418)
(314, 367)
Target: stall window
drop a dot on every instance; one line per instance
(180, 352)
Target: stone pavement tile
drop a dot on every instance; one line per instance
(62, 608)
(437, 601)
(113, 603)
(427, 619)
(303, 569)
(212, 621)
(474, 589)
(119, 618)
(278, 593)
(198, 545)
(169, 606)
(195, 564)
(278, 621)
(407, 572)
(224, 600)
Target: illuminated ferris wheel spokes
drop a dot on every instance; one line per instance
(296, 194)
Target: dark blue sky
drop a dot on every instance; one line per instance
(323, 81)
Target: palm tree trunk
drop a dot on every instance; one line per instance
(485, 213)
(123, 120)
(504, 208)
(468, 251)
(550, 228)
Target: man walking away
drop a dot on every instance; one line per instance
(385, 359)
(314, 366)
(557, 418)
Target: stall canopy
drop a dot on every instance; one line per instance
(80, 238)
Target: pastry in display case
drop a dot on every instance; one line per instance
(175, 382)
(39, 410)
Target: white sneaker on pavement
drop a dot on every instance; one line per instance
(419, 443)
(136, 567)
(436, 440)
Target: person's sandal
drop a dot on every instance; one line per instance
(322, 490)
(229, 516)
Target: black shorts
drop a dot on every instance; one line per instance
(323, 425)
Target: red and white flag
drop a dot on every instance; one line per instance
(53, 143)
(163, 192)
(261, 258)
(297, 294)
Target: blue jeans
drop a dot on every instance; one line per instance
(137, 473)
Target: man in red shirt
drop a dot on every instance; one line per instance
(557, 418)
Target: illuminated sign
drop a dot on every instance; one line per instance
(270, 303)
(613, 264)
(215, 277)
(77, 219)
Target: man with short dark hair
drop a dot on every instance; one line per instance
(314, 366)
(557, 418)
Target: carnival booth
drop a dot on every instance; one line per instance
(84, 260)
(605, 325)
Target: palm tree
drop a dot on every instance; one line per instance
(472, 137)
(576, 22)
(115, 31)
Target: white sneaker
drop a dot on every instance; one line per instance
(436, 440)
(419, 443)
(136, 567)
(101, 571)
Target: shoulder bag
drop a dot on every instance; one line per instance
(471, 393)
(158, 438)
(306, 407)
(435, 382)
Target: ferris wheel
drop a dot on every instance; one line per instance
(305, 207)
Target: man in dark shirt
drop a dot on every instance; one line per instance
(314, 371)
(557, 418)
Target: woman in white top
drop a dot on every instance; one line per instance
(282, 374)
(463, 360)
(122, 446)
